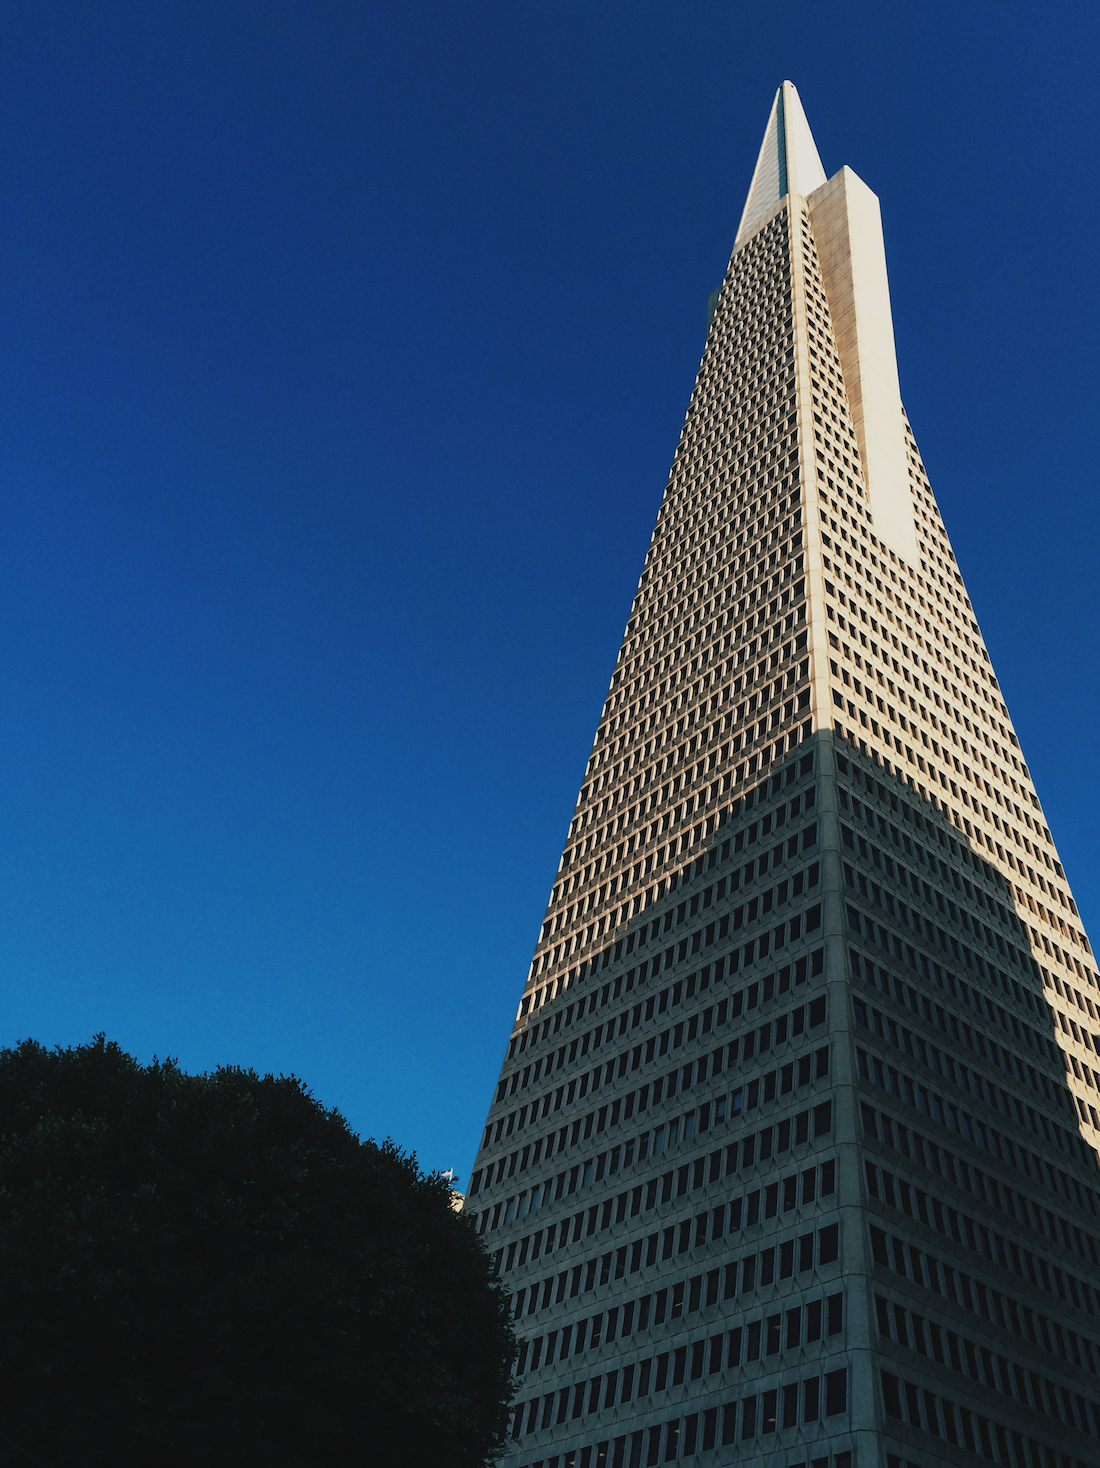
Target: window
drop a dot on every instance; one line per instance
(836, 1393)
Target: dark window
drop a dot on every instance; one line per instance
(811, 1392)
(883, 1316)
(835, 1314)
(790, 1405)
(836, 1393)
(878, 1247)
(748, 1418)
(891, 1395)
(729, 1422)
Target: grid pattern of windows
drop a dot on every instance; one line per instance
(804, 1080)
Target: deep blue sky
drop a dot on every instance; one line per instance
(343, 352)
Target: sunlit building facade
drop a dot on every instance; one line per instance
(793, 1155)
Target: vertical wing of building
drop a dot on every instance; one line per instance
(792, 1154)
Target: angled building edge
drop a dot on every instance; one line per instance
(792, 1159)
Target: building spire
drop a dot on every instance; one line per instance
(788, 161)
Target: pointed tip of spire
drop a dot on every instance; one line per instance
(788, 160)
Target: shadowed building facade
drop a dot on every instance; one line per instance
(792, 1159)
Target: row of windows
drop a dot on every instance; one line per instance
(613, 1453)
(776, 584)
(742, 1099)
(874, 788)
(656, 822)
(680, 637)
(641, 869)
(981, 1044)
(890, 944)
(896, 1193)
(753, 1150)
(961, 1122)
(759, 905)
(944, 1218)
(747, 769)
(623, 1108)
(697, 1027)
(686, 753)
(1029, 1454)
(1035, 1039)
(792, 810)
(779, 1082)
(689, 837)
(679, 1131)
(739, 1276)
(1028, 1325)
(973, 998)
(798, 805)
(784, 624)
(686, 560)
(1003, 827)
(1041, 940)
(781, 492)
(729, 1349)
(972, 892)
(908, 726)
(848, 602)
(756, 1416)
(682, 1297)
(1049, 1131)
(693, 746)
(773, 575)
(958, 848)
(953, 712)
(782, 564)
(758, 908)
(975, 832)
(758, 702)
(705, 646)
(669, 531)
(719, 426)
(967, 1357)
(1021, 993)
(677, 558)
(968, 1128)
(737, 383)
(713, 1224)
(936, 865)
(613, 988)
(923, 926)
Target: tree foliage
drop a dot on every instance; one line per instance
(214, 1269)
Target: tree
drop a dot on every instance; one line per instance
(214, 1269)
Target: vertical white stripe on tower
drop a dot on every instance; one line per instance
(848, 233)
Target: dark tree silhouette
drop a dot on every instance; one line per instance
(214, 1269)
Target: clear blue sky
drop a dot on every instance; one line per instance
(343, 353)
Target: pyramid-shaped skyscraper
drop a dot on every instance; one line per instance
(793, 1155)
